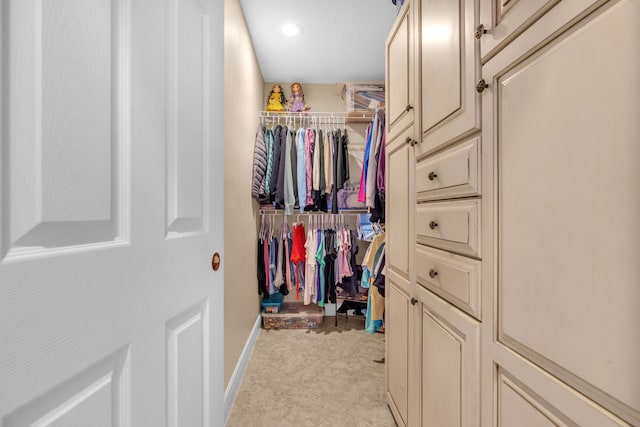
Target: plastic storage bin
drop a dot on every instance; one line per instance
(294, 315)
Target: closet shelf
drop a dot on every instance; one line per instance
(274, 211)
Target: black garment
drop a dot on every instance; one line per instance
(329, 268)
(281, 167)
(339, 161)
(283, 288)
(345, 157)
(379, 281)
(262, 273)
(377, 213)
(334, 187)
(275, 168)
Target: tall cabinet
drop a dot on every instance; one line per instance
(513, 246)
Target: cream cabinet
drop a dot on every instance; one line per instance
(448, 72)
(400, 104)
(515, 301)
(434, 268)
(561, 202)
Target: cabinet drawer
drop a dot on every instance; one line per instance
(450, 225)
(452, 173)
(455, 278)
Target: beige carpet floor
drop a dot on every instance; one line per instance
(314, 377)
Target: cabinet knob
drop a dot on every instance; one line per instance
(432, 176)
(481, 86)
(414, 301)
(433, 273)
(433, 225)
(410, 141)
(480, 31)
(408, 108)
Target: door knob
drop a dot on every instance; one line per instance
(408, 107)
(481, 86)
(433, 225)
(433, 273)
(215, 261)
(414, 301)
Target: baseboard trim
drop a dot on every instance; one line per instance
(236, 378)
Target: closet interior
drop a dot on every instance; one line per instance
(320, 248)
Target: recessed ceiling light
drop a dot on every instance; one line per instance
(291, 30)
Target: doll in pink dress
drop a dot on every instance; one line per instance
(296, 100)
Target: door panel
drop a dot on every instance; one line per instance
(397, 331)
(450, 364)
(187, 365)
(65, 79)
(582, 239)
(97, 394)
(399, 160)
(449, 65)
(188, 115)
(579, 202)
(400, 74)
(109, 309)
(506, 19)
(537, 399)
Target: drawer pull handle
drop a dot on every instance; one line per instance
(433, 225)
(408, 108)
(433, 273)
(414, 301)
(432, 176)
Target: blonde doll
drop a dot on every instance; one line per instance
(277, 100)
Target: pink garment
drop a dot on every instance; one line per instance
(309, 145)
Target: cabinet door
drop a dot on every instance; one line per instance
(505, 20)
(566, 174)
(397, 330)
(450, 364)
(449, 62)
(399, 173)
(400, 73)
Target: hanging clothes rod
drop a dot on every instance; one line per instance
(341, 212)
(333, 117)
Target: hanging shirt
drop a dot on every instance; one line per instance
(259, 163)
(310, 270)
(309, 144)
(269, 147)
(289, 196)
(301, 168)
(365, 164)
(321, 263)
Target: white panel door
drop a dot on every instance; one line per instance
(110, 313)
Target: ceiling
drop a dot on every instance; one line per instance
(341, 40)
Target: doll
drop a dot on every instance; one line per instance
(277, 100)
(297, 98)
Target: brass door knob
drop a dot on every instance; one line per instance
(215, 261)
